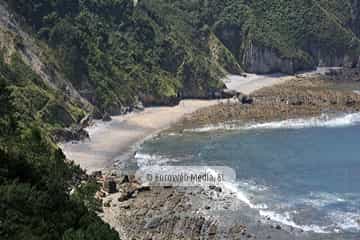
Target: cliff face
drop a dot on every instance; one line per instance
(110, 55)
(268, 60)
(36, 55)
(264, 38)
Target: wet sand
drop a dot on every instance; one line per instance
(118, 138)
(108, 140)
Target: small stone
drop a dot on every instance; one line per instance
(207, 207)
(218, 189)
(212, 230)
(153, 223)
(123, 198)
(278, 227)
(134, 194)
(107, 203)
(106, 117)
(144, 188)
(124, 179)
(212, 187)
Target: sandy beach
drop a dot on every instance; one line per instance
(203, 211)
(109, 140)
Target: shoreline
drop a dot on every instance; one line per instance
(116, 140)
(302, 98)
(152, 209)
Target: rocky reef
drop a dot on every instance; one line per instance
(297, 98)
(139, 212)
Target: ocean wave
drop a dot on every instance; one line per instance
(144, 159)
(322, 121)
(283, 218)
(348, 221)
(286, 219)
(247, 193)
(322, 199)
(240, 195)
(340, 221)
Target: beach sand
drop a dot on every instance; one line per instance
(108, 140)
(116, 139)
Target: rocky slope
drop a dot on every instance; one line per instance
(264, 38)
(62, 61)
(35, 54)
(116, 54)
(297, 98)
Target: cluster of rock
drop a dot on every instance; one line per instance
(75, 133)
(142, 212)
(298, 98)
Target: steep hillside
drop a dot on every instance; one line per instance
(36, 101)
(35, 178)
(117, 53)
(287, 36)
(63, 60)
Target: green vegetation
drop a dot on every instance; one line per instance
(35, 179)
(116, 54)
(296, 29)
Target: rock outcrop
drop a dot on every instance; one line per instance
(258, 59)
(13, 39)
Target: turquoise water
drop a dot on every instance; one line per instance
(304, 177)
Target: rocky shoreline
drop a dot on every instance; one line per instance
(139, 212)
(301, 97)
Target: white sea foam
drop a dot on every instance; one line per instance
(322, 199)
(286, 219)
(174, 134)
(322, 121)
(347, 221)
(243, 191)
(144, 159)
(240, 195)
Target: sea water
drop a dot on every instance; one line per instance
(301, 173)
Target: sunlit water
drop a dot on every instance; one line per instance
(305, 176)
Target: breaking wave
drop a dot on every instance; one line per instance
(144, 159)
(286, 219)
(322, 121)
